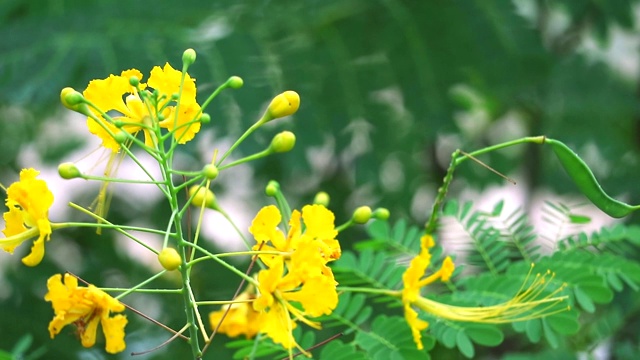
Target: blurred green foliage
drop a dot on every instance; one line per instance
(389, 88)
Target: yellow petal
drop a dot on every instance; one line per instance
(88, 334)
(37, 252)
(113, 329)
(416, 324)
(319, 222)
(167, 81)
(308, 296)
(186, 126)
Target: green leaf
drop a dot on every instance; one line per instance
(534, 330)
(449, 337)
(579, 219)
(487, 335)
(566, 323)
(464, 344)
(550, 335)
(584, 300)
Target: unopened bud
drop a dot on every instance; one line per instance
(73, 100)
(362, 215)
(68, 171)
(120, 137)
(283, 142)
(201, 195)
(381, 214)
(118, 123)
(188, 57)
(169, 259)
(322, 198)
(210, 171)
(235, 82)
(272, 188)
(283, 105)
(134, 81)
(205, 118)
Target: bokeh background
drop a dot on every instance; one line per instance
(389, 88)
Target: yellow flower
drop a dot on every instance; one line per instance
(28, 201)
(107, 95)
(241, 318)
(528, 303)
(319, 227)
(85, 307)
(277, 290)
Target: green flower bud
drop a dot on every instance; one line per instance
(188, 57)
(283, 105)
(210, 171)
(322, 198)
(68, 171)
(362, 215)
(283, 142)
(73, 100)
(272, 188)
(120, 137)
(200, 195)
(235, 82)
(381, 214)
(118, 123)
(205, 118)
(169, 259)
(134, 81)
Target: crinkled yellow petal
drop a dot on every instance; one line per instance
(415, 324)
(99, 130)
(106, 94)
(277, 324)
(37, 252)
(14, 223)
(264, 227)
(412, 275)
(187, 125)
(167, 81)
(113, 329)
(319, 222)
(318, 296)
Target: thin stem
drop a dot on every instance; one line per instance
(147, 281)
(239, 141)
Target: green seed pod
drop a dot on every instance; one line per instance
(587, 183)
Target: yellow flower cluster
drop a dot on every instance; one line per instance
(28, 201)
(86, 307)
(296, 284)
(137, 113)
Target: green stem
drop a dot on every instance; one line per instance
(240, 140)
(129, 291)
(224, 263)
(374, 291)
(456, 159)
(255, 156)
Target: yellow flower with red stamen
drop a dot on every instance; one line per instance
(28, 201)
(86, 307)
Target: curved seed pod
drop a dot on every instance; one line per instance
(587, 183)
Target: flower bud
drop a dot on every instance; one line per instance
(283, 105)
(120, 137)
(73, 100)
(134, 81)
(322, 198)
(200, 195)
(283, 142)
(272, 188)
(188, 57)
(362, 214)
(118, 123)
(381, 214)
(210, 171)
(68, 171)
(169, 259)
(235, 82)
(205, 118)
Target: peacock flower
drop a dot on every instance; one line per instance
(278, 288)
(240, 319)
(85, 307)
(319, 228)
(136, 112)
(28, 201)
(529, 302)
